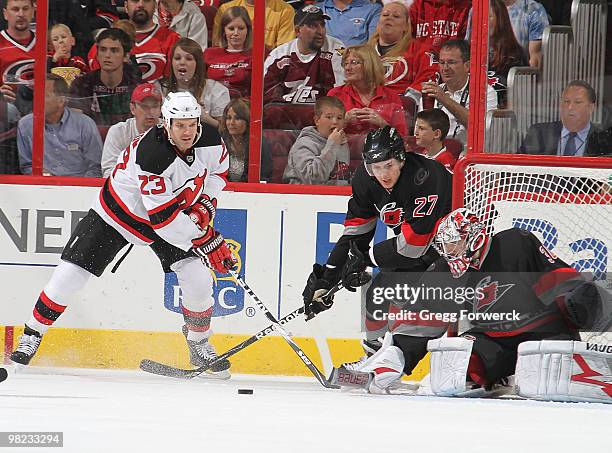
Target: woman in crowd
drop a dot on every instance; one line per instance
(407, 61)
(231, 63)
(368, 102)
(234, 129)
(189, 74)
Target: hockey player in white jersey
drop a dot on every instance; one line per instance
(162, 193)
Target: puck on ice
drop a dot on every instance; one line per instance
(245, 391)
(4, 375)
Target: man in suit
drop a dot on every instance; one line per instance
(574, 135)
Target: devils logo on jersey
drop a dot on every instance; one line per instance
(190, 191)
(488, 292)
(392, 215)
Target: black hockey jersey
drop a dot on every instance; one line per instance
(412, 209)
(519, 275)
(151, 186)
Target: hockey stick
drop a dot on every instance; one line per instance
(278, 327)
(153, 367)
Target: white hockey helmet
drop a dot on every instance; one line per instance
(459, 236)
(181, 105)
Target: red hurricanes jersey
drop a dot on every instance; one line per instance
(16, 59)
(300, 79)
(151, 186)
(232, 69)
(418, 64)
(151, 50)
(436, 21)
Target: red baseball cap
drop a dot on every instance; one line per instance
(145, 90)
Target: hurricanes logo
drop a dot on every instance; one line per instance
(19, 72)
(392, 215)
(151, 65)
(488, 292)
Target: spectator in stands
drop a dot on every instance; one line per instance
(573, 134)
(234, 129)
(16, 54)
(185, 18)
(9, 159)
(146, 108)
(368, 102)
(559, 11)
(430, 130)
(231, 64)
(321, 155)
(299, 71)
(61, 56)
(407, 61)
(189, 74)
(104, 94)
(452, 95)
(73, 146)
(529, 19)
(279, 20)
(352, 21)
(83, 17)
(436, 21)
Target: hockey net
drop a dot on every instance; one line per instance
(566, 203)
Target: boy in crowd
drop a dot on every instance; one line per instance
(61, 55)
(430, 130)
(320, 155)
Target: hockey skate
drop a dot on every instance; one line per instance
(202, 352)
(27, 347)
(370, 347)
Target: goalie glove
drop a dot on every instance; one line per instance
(214, 251)
(353, 273)
(319, 282)
(203, 211)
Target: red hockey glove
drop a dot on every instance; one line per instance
(202, 212)
(214, 251)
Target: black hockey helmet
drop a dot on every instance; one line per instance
(383, 144)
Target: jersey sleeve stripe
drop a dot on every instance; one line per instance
(410, 244)
(162, 207)
(526, 328)
(121, 204)
(356, 226)
(141, 229)
(163, 218)
(551, 280)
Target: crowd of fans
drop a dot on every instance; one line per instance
(334, 70)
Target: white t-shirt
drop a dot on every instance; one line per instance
(214, 98)
(118, 138)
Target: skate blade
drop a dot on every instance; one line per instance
(219, 375)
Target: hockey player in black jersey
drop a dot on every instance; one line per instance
(526, 292)
(409, 193)
(162, 193)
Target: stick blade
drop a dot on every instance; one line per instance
(160, 369)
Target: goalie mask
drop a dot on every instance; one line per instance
(180, 105)
(381, 145)
(459, 236)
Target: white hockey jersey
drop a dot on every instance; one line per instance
(151, 186)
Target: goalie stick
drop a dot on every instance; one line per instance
(279, 328)
(153, 367)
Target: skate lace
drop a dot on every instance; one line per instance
(206, 350)
(352, 366)
(28, 344)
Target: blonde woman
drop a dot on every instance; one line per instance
(407, 62)
(368, 102)
(189, 74)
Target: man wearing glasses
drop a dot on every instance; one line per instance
(453, 94)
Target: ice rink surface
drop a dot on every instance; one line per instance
(131, 411)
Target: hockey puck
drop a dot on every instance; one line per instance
(245, 391)
(4, 375)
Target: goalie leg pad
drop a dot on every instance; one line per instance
(387, 369)
(449, 362)
(564, 371)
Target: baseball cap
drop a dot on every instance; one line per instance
(308, 14)
(145, 90)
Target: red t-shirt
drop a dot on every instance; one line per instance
(434, 22)
(418, 64)
(386, 103)
(16, 59)
(232, 69)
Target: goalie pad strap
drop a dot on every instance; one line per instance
(564, 371)
(449, 362)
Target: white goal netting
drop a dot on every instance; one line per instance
(569, 209)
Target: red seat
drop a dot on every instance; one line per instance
(278, 115)
(455, 147)
(280, 142)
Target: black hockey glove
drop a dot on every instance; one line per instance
(353, 273)
(319, 282)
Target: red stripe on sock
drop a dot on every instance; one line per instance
(50, 304)
(41, 319)
(198, 328)
(197, 314)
